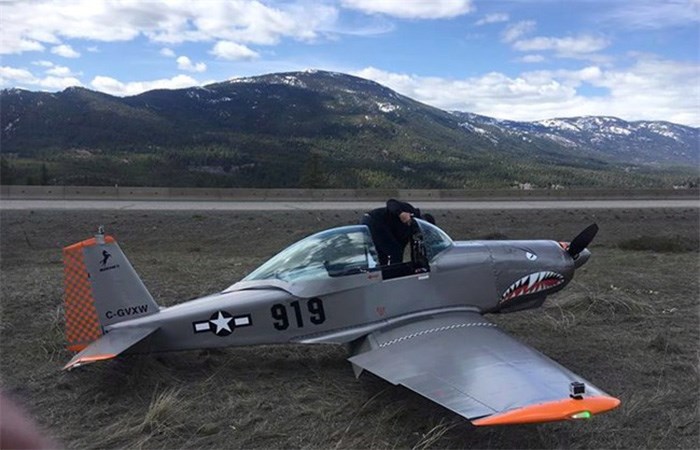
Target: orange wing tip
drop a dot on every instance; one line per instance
(87, 360)
(87, 243)
(552, 411)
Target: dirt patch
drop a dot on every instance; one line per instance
(628, 323)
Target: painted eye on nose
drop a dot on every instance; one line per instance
(530, 256)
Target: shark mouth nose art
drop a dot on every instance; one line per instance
(530, 284)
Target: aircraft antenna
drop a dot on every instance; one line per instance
(100, 236)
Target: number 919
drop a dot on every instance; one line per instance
(314, 306)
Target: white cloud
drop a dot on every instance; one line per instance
(233, 51)
(655, 87)
(534, 58)
(59, 71)
(28, 25)
(590, 74)
(15, 44)
(9, 75)
(65, 50)
(368, 26)
(56, 70)
(492, 18)
(112, 86)
(566, 46)
(412, 9)
(649, 89)
(16, 77)
(165, 51)
(517, 30)
(58, 83)
(93, 49)
(655, 14)
(185, 63)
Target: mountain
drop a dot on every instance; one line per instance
(641, 142)
(317, 128)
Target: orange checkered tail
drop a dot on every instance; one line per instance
(101, 289)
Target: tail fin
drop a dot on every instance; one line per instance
(101, 289)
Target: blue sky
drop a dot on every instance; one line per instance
(511, 59)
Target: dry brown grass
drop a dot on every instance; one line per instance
(628, 323)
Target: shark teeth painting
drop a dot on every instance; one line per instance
(533, 283)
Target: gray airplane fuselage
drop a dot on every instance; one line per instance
(482, 276)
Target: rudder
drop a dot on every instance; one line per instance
(101, 289)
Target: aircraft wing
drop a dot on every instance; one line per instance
(468, 365)
(110, 345)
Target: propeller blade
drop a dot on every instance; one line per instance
(580, 242)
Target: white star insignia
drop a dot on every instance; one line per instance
(221, 323)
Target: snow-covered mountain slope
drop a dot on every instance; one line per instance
(638, 142)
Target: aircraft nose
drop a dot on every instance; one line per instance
(582, 258)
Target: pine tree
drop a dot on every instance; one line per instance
(312, 174)
(7, 174)
(44, 175)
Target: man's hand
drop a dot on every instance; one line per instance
(405, 217)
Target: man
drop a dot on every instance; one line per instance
(391, 229)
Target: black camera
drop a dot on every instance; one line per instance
(577, 389)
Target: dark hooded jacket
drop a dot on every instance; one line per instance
(389, 234)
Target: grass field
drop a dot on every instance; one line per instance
(628, 322)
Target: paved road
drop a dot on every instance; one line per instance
(177, 205)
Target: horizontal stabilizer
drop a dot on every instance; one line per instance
(110, 345)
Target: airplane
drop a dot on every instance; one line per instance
(419, 324)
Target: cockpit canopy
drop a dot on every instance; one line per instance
(335, 252)
(340, 251)
(434, 239)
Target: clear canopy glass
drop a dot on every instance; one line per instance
(434, 239)
(331, 253)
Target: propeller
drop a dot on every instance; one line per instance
(580, 242)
